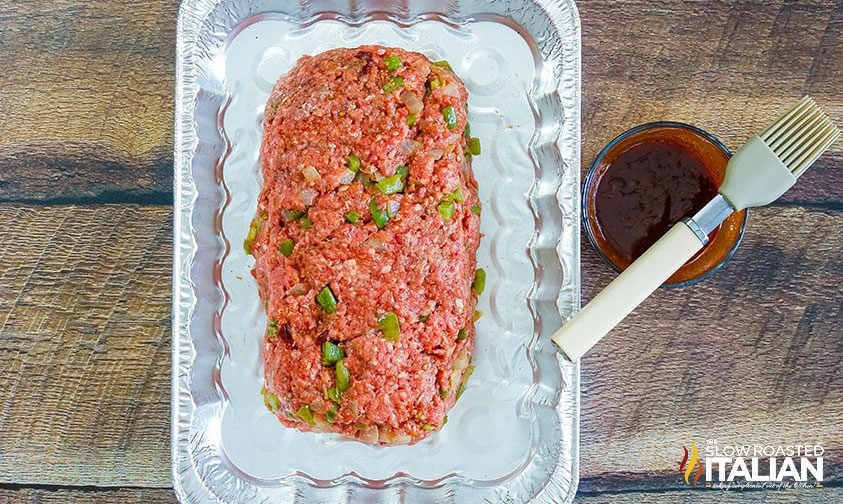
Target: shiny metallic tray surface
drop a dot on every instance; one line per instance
(513, 435)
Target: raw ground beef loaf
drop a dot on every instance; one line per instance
(365, 243)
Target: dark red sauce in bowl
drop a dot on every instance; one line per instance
(645, 181)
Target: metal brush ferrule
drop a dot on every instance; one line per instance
(709, 217)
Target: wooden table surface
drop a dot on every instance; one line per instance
(751, 355)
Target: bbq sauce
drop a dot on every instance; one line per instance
(647, 180)
(645, 191)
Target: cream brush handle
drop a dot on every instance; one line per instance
(627, 291)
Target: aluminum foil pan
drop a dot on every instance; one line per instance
(513, 436)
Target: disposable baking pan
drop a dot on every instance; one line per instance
(513, 435)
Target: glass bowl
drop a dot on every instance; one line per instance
(703, 147)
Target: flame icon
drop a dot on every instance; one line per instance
(687, 467)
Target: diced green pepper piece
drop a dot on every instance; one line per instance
(306, 222)
(444, 64)
(443, 393)
(327, 300)
(462, 334)
(411, 119)
(446, 208)
(455, 196)
(465, 375)
(296, 214)
(331, 353)
(272, 329)
(343, 377)
(424, 318)
(393, 63)
(286, 247)
(479, 282)
(474, 146)
(271, 400)
(391, 185)
(388, 322)
(403, 171)
(305, 414)
(475, 209)
(477, 315)
(393, 84)
(378, 215)
(254, 229)
(331, 414)
(467, 129)
(353, 163)
(352, 216)
(444, 420)
(333, 394)
(450, 116)
(428, 427)
(434, 84)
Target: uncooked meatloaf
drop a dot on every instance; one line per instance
(365, 244)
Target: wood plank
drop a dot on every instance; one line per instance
(751, 355)
(727, 67)
(743, 356)
(63, 495)
(156, 496)
(85, 342)
(92, 113)
(809, 496)
(84, 297)
(88, 109)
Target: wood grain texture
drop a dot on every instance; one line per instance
(92, 495)
(85, 344)
(88, 108)
(752, 354)
(728, 67)
(815, 496)
(161, 496)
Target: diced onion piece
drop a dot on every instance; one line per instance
(456, 375)
(347, 177)
(462, 359)
(377, 245)
(408, 146)
(310, 173)
(319, 407)
(436, 154)
(369, 434)
(387, 436)
(392, 208)
(299, 289)
(308, 196)
(320, 425)
(361, 177)
(411, 101)
(451, 89)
